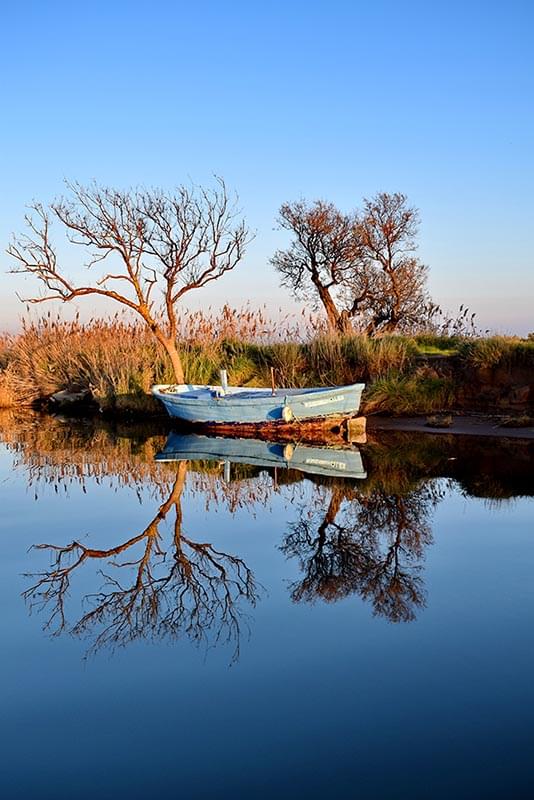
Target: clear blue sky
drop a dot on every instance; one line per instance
(285, 100)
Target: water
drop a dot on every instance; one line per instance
(200, 630)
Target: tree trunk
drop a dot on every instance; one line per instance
(169, 346)
(381, 326)
(332, 314)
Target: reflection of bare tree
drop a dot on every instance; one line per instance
(188, 588)
(370, 544)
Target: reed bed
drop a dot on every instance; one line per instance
(115, 361)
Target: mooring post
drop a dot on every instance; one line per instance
(224, 381)
(356, 430)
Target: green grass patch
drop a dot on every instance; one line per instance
(431, 344)
(416, 394)
(497, 351)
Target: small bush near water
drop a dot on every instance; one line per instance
(117, 361)
(439, 421)
(411, 394)
(521, 421)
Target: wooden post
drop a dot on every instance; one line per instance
(272, 382)
(356, 430)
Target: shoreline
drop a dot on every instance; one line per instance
(476, 424)
(473, 425)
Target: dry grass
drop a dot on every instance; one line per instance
(109, 358)
(7, 398)
(118, 360)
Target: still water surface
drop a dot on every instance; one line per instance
(197, 629)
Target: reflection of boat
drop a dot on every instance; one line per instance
(237, 405)
(316, 460)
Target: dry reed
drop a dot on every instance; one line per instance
(117, 360)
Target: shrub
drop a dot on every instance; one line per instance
(522, 421)
(439, 421)
(416, 394)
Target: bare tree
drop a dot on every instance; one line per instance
(360, 267)
(156, 245)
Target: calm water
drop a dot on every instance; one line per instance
(197, 629)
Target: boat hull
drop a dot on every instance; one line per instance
(208, 405)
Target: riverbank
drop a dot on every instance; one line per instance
(109, 365)
(472, 425)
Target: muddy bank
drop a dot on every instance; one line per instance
(472, 425)
(504, 386)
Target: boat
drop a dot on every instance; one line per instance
(326, 461)
(238, 405)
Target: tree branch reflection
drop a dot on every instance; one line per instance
(187, 588)
(367, 538)
(367, 544)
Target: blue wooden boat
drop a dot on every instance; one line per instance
(238, 405)
(327, 461)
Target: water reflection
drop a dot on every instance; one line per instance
(170, 589)
(344, 462)
(363, 535)
(366, 544)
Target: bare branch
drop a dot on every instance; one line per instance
(174, 241)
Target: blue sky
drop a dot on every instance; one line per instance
(335, 99)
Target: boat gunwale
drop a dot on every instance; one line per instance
(235, 399)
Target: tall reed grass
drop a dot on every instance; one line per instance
(342, 359)
(109, 358)
(117, 360)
